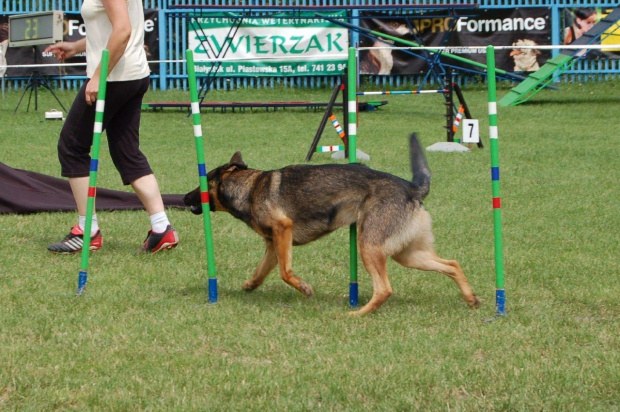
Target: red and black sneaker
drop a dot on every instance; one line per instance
(155, 242)
(74, 241)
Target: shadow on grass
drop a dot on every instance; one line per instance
(595, 102)
(276, 296)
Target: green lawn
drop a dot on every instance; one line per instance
(143, 337)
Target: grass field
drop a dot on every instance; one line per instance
(144, 338)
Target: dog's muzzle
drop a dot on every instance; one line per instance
(192, 199)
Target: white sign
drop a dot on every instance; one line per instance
(280, 45)
(471, 131)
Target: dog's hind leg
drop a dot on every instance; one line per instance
(283, 244)
(375, 262)
(265, 266)
(421, 259)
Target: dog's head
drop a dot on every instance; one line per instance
(214, 178)
(525, 59)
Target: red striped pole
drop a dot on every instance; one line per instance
(457, 122)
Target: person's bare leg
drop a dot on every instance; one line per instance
(79, 188)
(147, 189)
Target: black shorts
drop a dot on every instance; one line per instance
(121, 121)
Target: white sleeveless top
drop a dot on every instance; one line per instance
(133, 64)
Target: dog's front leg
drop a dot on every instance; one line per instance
(283, 243)
(265, 266)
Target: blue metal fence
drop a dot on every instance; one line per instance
(173, 40)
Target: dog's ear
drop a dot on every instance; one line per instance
(237, 162)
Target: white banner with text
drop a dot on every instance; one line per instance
(279, 45)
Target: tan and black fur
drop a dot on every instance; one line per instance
(298, 204)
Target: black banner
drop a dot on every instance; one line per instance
(501, 27)
(73, 30)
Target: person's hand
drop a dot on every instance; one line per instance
(62, 50)
(92, 89)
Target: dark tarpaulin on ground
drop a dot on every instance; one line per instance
(23, 191)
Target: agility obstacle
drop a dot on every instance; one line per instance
(461, 112)
(500, 296)
(341, 134)
(450, 88)
(328, 114)
(448, 91)
(397, 92)
(329, 149)
(234, 106)
(336, 125)
(94, 166)
(560, 63)
(352, 143)
(351, 126)
(202, 177)
(457, 122)
(500, 292)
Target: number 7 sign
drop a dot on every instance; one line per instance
(471, 131)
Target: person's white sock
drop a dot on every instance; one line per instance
(94, 225)
(159, 222)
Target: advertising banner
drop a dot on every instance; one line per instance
(73, 30)
(278, 45)
(581, 19)
(500, 27)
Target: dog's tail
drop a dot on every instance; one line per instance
(419, 167)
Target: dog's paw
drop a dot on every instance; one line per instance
(359, 312)
(306, 289)
(249, 285)
(475, 302)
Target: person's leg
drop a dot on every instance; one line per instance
(133, 166)
(74, 156)
(123, 130)
(123, 133)
(79, 188)
(162, 235)
(147, 189)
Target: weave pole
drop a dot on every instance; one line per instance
(500, 292)
(352, 143)
(94, 166)
(202, 175)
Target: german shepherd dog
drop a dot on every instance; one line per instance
(298, 204)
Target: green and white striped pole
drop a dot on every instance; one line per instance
(202, 175)
(94, 166)
(500, 293)
(352, 132)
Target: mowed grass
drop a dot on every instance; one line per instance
(143, 337)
